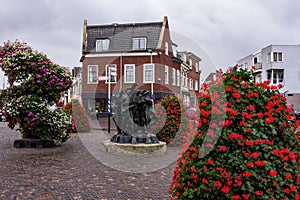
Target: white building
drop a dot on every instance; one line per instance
(280, 64)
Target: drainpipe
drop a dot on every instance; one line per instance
(121, 70)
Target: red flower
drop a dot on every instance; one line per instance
(210, 162)
(259, 193)
(293, 187)
(247, 174)
(287, 190)
(260, 163)
(288, 176)
(235, 197)
(250, 107)
(249, 143)
(217, 184)
(255, 155)
(225, 189)
(245, 196)
(222, 148)
(250, 164)
(273, 173)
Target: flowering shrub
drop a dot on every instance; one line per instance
(257, 155)
(177, 124)
(80, 119)
(35, 83)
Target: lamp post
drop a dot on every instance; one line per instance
(151, 61)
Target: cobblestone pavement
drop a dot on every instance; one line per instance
(79, 169)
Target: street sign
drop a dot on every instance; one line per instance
(102, 78)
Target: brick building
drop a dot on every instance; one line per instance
(141, 53)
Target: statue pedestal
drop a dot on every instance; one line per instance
(141, 148)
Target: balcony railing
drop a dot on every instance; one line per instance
(258, 65)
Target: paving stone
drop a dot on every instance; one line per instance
(71, 172)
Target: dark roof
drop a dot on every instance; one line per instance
(120, 35)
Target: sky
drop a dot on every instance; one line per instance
(225, 30)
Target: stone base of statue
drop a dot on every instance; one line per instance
(140, 137)
(140, 148)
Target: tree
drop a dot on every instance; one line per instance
(35, 83)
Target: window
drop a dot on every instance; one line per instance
(148, 73)
(275, 76)
(196, 85)
(139, 43)
(166, 75)
(102, 45)
(173, 76)
(166, 48)
(191, 64)
(191, 83)
(182, 79)
(197, 66)
(92, 74)
(112, 70)
(277, 56)
(178, 77)
(129, 73)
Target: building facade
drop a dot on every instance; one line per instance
(141, 53)
(280, 64)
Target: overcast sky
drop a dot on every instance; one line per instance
(227, 30)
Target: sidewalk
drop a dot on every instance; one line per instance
(73, 171)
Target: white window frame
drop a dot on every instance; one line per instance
(89, 78)
(191, 64)
(178, 77)
(191, 83)
(277, 56)
(173, 76)
(113, 82)
(125, 73)
(197, 66)
(102, 45)
(196, 86)
(166, 74)
(166, 48)
(273, 76)
(139, 40)
(144, 73)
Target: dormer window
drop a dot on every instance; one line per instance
(139, 43)
(102, 45)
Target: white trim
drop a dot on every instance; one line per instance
(95, 55)
(166, 74)
(139, 38)
(153, 72)
(125, 74)
(88, 74)
(166, 48)
(173, 76)
(178, 77)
